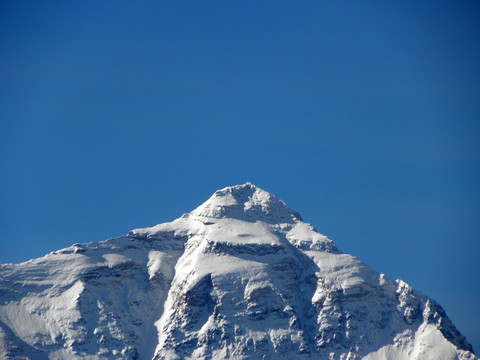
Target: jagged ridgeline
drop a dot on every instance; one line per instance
(240, 277)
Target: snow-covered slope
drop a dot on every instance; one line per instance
(240, 277)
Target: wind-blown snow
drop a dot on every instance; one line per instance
(240, 277)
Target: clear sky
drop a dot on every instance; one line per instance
(362, 116)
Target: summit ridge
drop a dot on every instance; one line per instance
(246, 201)
(240, 277)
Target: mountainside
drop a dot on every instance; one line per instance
(240, 277)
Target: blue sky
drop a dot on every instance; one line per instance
(363, 116)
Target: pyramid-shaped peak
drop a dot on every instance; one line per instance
(246, 202)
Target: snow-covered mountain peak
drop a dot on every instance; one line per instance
(246, 202)
(240, 277)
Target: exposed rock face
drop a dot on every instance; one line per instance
(240, 277)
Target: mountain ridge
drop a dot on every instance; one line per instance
(241, 277)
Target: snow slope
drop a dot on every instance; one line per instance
(240, 277)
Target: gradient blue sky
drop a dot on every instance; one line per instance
(363, 116)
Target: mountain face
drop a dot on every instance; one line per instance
(240, 277)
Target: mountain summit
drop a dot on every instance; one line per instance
(247, 202)
(240, 277)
